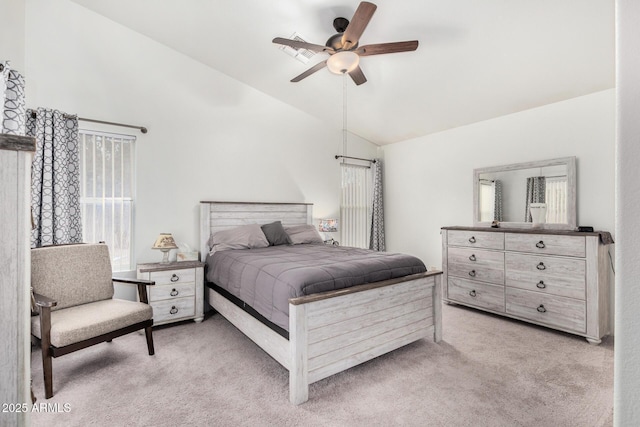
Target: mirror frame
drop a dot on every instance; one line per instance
(569, 162)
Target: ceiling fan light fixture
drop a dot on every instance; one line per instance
(343, 62)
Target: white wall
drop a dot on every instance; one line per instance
(627, 354)
(429, 180)
(210, 137)
(12, 21)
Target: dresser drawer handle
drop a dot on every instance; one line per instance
(541, 266)
(540, 245)
(472, 239)
(541, 309)
(173, 310)
(472, 293)
(174, 292)
(175, 277)
(472, 273)
(541, 285)
(472, 257)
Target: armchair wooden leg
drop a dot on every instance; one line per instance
(147, 332)
(47, 366)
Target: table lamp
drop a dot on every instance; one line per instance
(165, 243)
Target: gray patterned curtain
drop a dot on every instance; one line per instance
(536, 186)
(55, 178)
(13, 111)
(497, 200)
(376, 239)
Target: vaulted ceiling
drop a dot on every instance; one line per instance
(477, 59)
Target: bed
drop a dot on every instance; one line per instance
(328, 332)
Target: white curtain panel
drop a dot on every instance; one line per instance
(55, 178)
(355, 206)
(556, 200)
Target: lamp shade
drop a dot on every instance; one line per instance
(165, 241)
(343, 62)
(328, 225)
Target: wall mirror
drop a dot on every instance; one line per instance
(505, 193)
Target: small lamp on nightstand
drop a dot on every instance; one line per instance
(165, 243)
(329, 226)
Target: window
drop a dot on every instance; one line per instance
(355, 207)
(556, 199)
(106, 195)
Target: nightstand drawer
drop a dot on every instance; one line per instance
(559, 276)
(470, 263)
(173, 276)
(551, 310)
(546, 244)
(476, 239)
(173, 309)
(176, 290)
(482, 295)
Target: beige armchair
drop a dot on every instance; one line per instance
(73, 291)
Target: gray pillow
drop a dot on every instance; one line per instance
(244, 237)
(275, 234)
(304, 233)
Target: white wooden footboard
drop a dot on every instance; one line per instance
(333, 332)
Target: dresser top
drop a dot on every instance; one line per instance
(605, 236)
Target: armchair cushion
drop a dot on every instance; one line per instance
(86, 321)
(72, 274)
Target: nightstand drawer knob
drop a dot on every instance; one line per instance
(472, 257)
(174, 292)
(540, 245)
(175, 277)
(541, 266)
(173, 310)
(541, 309)
(472, 273)
(472, 293)
(472, 239)
(541, 285)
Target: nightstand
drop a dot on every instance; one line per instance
(179, 290)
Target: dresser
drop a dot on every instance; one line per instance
(558, 279)
(179, 290)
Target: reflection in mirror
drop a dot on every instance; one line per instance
(505, 193)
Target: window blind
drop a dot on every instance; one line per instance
(355, 206)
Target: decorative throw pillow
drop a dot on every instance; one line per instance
(248, 236)
(304, 233)
(275, 234)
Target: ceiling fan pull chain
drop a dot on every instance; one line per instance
(344, 114)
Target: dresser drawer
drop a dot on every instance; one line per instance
(483, 295)
(546, 244)
(551, 310)
(553, 275)
(476, 239)
(173, 309)
(174, 290)
(173, 276)
(476, 264)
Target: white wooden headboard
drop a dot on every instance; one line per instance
(217, 216)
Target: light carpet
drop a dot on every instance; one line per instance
(487, 371)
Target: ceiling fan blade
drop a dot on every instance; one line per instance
(378, 49)
(318, 66)
(358, 76)
(303, 45)
(358, 23)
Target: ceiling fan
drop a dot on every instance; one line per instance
(343, 47)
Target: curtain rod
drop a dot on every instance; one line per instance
(355, 158)
(141, 128)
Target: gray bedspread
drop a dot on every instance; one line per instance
(266, 278)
